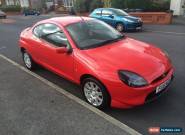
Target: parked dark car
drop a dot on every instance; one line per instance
(31, 12)
(118, 19)
(2, 15)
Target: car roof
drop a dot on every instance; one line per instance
(64, 21)
(106, 8)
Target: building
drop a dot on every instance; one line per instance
(9, 2)
(178, 6)
(38, 3)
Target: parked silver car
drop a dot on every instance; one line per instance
(2, 15)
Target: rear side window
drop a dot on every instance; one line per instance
(44, 29)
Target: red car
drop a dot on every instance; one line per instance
(113, 70)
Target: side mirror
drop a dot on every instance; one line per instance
(61, 50)
(111, 16)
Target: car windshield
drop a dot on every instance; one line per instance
(92, 34)
(119, 12)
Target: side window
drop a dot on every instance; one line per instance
(51, 33)
(58, 39)
(106, 13)
(98, 12)
(44, 29)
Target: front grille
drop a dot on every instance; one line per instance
(134, 25)
(161, 77)
(152, 96)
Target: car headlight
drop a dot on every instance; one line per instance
(132, 79)
(140, 19)
(125, 19)
(166, 53)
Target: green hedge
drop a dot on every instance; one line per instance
(82, 6)
(95, 4)
(12, 8)
(147, 5)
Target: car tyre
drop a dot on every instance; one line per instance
(95, 93)
(28, 61)
(120, 27)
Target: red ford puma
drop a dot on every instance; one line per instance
(112, 69)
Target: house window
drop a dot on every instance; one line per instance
(68, 3)
(12, 2)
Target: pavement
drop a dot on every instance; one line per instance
(28, 106)
(179, 20)
(167, 111)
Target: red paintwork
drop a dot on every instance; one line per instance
(103, 63)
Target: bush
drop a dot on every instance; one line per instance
(121, 4)
(11, 8)
(79, 6)
(146, 5)
(96, 4)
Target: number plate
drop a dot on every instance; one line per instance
(138, 28)
(162, 86)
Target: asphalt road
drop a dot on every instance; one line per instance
(167, 111)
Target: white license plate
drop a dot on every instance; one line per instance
(162, 86)
(138, 28)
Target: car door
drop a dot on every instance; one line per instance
(108, 17)
(50, 37)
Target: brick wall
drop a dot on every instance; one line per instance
(154, 17)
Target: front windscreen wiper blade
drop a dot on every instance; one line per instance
(113, 40)
(104, 42)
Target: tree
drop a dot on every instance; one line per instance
(96, 4)
(107, 3)
(118, 4)
(79, 6)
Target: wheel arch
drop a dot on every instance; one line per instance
(120, 22)
(22, 49)
(85, 76)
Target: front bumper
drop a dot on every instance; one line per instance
(2, 16)
(123, 96)
(134, 26)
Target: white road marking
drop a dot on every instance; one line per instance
(166, 32)
(76, 99)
